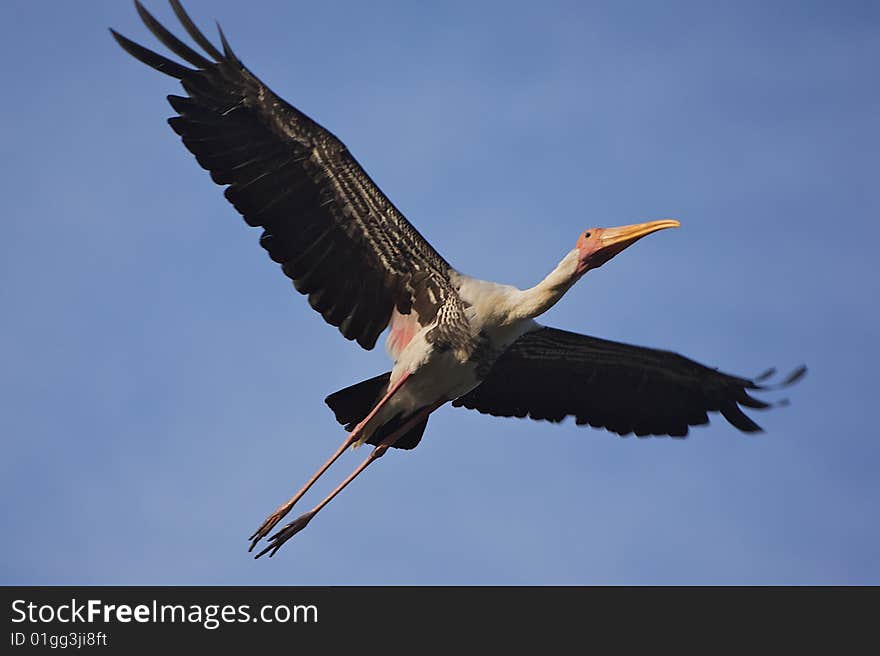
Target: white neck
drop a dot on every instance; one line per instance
(530, 303)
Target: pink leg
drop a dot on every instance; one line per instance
(285, 507)
(282, 536)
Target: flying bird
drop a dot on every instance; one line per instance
(366, 269)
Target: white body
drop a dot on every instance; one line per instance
(498, 315)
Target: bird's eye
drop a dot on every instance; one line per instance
(586, 235)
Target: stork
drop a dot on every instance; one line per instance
(365, 269)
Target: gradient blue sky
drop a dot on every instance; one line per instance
(162, 383)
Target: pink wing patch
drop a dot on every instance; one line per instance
(403, 328)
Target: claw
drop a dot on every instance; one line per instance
(265, 527)
(282, 536)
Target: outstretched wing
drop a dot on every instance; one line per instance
(551, 374)
(334, 232)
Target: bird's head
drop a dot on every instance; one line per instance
(598, 245)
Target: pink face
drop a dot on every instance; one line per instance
(598, 245)
(591, 250)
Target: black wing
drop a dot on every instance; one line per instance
(331, 228)
(551, 374)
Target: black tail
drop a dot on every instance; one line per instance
(352, 404)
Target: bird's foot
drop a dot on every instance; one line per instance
(282, 536)
(267, 526)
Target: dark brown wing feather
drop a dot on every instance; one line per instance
(551, 374)
(334, 232)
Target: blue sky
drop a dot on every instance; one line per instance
(162, 383)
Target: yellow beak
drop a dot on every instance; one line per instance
(620, 238)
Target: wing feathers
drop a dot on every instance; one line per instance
(194, 31)
(550, 374)
(150, 58)
(227, 50)
(334, 232)
(170, 41)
